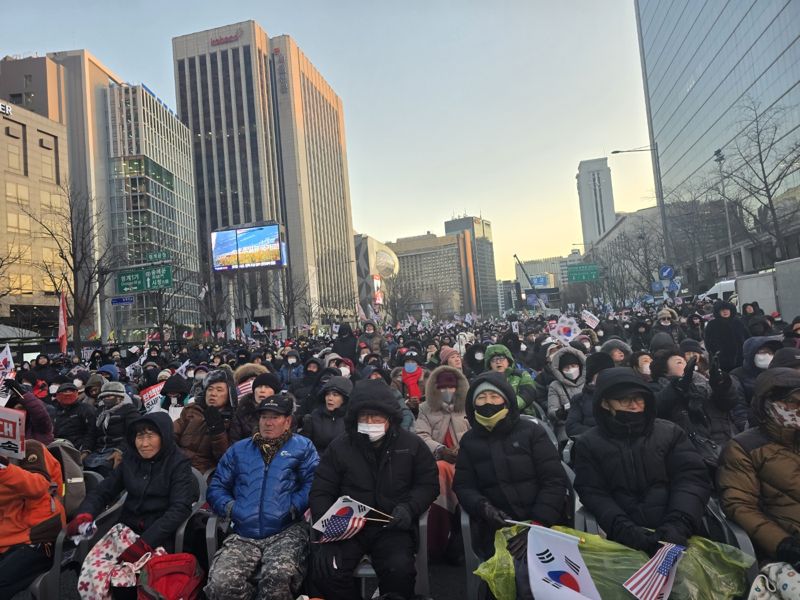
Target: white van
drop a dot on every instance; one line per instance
(722, 289)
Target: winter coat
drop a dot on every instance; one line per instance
(31, 511)
(76, 423)
(374, 341)
(345, 344)
(161, 490)
(580, 417)
(38, 424)
(561, 391)
(746, 375)
(244, 422)
(514, 466)
(632, 479)
(521, 381)
(436, 418)
(726, 336)
(263, 500)
(191, 435)
(322, 426)
(290, 374)
(398, 470)
(111, 433)
(759, 474)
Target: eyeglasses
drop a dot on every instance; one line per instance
(498, 358)
(629, 401)
(375, 418)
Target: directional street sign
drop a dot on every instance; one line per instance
(144, 280)
(666, 272)
(577, 273)
(122, 301)
(156, 256)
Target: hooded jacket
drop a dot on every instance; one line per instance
(746, 374)
(561, 391)
(38, 425)
(436, 418)
(345, 343)
(673, 329)
(32, 511)
(76, 423)
(726, 336)
(322, 426)
(514, 466)
(290, 374)
(638, 477)
(398, 470)
(521, 381)
(191, 431)
(374, 341)
(759, 471)
(263, 500)
(160, 490)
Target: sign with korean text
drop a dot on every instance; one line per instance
(12, 433)
(590, 320)
(578, 273)
(151, 397)
(144, 280)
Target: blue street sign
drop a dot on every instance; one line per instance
(122, 301)
(666, 272)
(656, 287)
(674, 286)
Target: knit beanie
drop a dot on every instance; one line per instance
(445, 354)
(269, 380)
(597, 362)
(488, 386)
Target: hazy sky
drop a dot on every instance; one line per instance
(451, 107)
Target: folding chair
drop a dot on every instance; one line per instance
(202, 487)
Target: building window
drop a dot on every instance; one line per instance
(48, 167)
(20, 252)
(21, 284)
(16, 192)
(18, 223)
(27, 80)
(14, 157)
(27, 99)
(15, 99)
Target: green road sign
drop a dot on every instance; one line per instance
(144, 280)
(156, 256)
(578, 273)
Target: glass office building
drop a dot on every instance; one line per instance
(702, 64)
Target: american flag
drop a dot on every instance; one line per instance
(343, 524)
(654, 580)
(244, 388)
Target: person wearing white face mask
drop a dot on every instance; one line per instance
(567, 366)
(757, 354)
(387, 468)
(441, 423)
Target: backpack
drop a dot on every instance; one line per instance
(72, 472)
(170, 577)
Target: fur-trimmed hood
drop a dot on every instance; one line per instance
(433, 396)
(555, 360)
(248, 371)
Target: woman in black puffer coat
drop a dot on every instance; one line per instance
(634, 472)
(326, 422)
(506, 469)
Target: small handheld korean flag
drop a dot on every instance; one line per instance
(344, 519)
(556, 568)
(567, 329)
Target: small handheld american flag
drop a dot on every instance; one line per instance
(342, 524)
(654, 580)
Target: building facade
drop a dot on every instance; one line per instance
(704, 66)
(554, 267)
(436, 273)
(480, 231)
(34, 165)
(375, 262)
(152, 205)
(269, 144)
(596, 198)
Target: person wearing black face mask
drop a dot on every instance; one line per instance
(640, 476)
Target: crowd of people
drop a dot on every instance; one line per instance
(655, 411)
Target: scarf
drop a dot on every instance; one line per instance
(411, 381)
(105, 416)
(269, 448)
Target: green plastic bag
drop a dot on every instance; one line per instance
(707, 571)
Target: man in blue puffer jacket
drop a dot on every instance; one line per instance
(262, 484)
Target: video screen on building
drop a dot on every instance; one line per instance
(255, 246)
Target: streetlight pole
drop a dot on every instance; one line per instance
(719, 158)
(662, 208)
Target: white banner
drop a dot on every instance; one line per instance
(12, 432)
(151, 396)
(588, 318)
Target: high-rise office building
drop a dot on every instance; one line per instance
(701, 64)
(480, 230)
(33, 168)
(152, 204)
(596, 198)
(268, 136)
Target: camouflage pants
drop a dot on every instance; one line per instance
(274, 566)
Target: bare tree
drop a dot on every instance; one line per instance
(15, 253)
(83, 250)
(290, 298)
(169, 302)
(765, 155)
(400, 296)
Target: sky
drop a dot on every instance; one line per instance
(452, 107)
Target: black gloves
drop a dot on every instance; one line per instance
(12, 386)
(789, 550)
(518, 545)
(401, 518)
(492, 515)
(718, 380)
(214, 420)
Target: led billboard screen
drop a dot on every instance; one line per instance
(255, 246)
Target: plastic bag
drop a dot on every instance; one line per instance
(498, 571)
(706, 565)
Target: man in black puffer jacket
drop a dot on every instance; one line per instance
(387, 468)
(160, 485)
(507, 467)
(635, 472)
